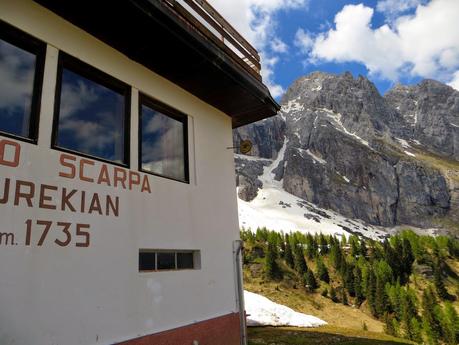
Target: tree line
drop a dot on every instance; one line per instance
(378, 274)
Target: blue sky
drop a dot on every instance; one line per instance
(388, 41)
(320, 14)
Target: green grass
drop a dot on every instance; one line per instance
(326, 335)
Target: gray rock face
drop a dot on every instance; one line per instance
(431, 110)
(267, 137)
(343, 152)
(336, 173)
(247, 172)
(423, 193)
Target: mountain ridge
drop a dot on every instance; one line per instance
(387, 160)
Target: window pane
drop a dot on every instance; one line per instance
(184, 260)
(162, 144)
(166, 261)
(91, 118)
(17, 71)
(147, 261)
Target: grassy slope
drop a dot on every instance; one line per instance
(314, 304)
(345, 322)
(326, 335)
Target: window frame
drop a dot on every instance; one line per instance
(75, 65)
(195, 254)
(25, 41)
(173, 113)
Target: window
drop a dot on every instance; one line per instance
(91, 112)
(21, 75)
(157, 260)
(166, 261)
(184, 260)
(163, 140)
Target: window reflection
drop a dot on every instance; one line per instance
(17, 70)
(163, 144)
(91, 118)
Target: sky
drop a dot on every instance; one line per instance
(388, 41)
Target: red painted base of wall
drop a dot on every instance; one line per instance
(223, 330)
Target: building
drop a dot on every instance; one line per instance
(117, 190)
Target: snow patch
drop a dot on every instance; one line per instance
(264, 312)
(317, 88)
(315, 158)
(268, 176)
(336, 117)
(409, 154)
(278, 210)
(344, 177)
(404, 143)
(251, 158)
(293, 106)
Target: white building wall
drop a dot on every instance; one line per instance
(96, 295)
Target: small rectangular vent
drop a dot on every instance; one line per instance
(162, 260)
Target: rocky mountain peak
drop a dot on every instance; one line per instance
(431, 112)
(347, 148)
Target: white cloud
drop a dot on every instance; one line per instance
(424, 44)
(254, 20)
(303, 40)
(278, 46)
(267, 73)
(16, 73)
(393, 8)
(454, 83)
(75, 97)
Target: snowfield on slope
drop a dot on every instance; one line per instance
(278, 210)
(263, 312)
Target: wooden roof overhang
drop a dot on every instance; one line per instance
(161, 36)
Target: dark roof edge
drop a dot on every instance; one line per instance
(261, 91)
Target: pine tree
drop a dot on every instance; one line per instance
(396, 262)
(325, 292)
(322, 271)
(323, 244)
(349, 280)
(429, 335)
(310, 281)
(363, 248)
(288, 252)
(381, 300)
(408, 311)
(430, 321)
(371, 292)
(272, 269)
(450, 325)
(336, 255)
(344, 299)
(438, 281)
(394, 293)
(282, 245)
(333, 294)
(415, 331)
(311, 246)
(389, 325)
(358, 289)
(407, 259)
(300, 263)
(354, 243)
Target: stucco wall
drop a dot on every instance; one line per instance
(75, 295)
